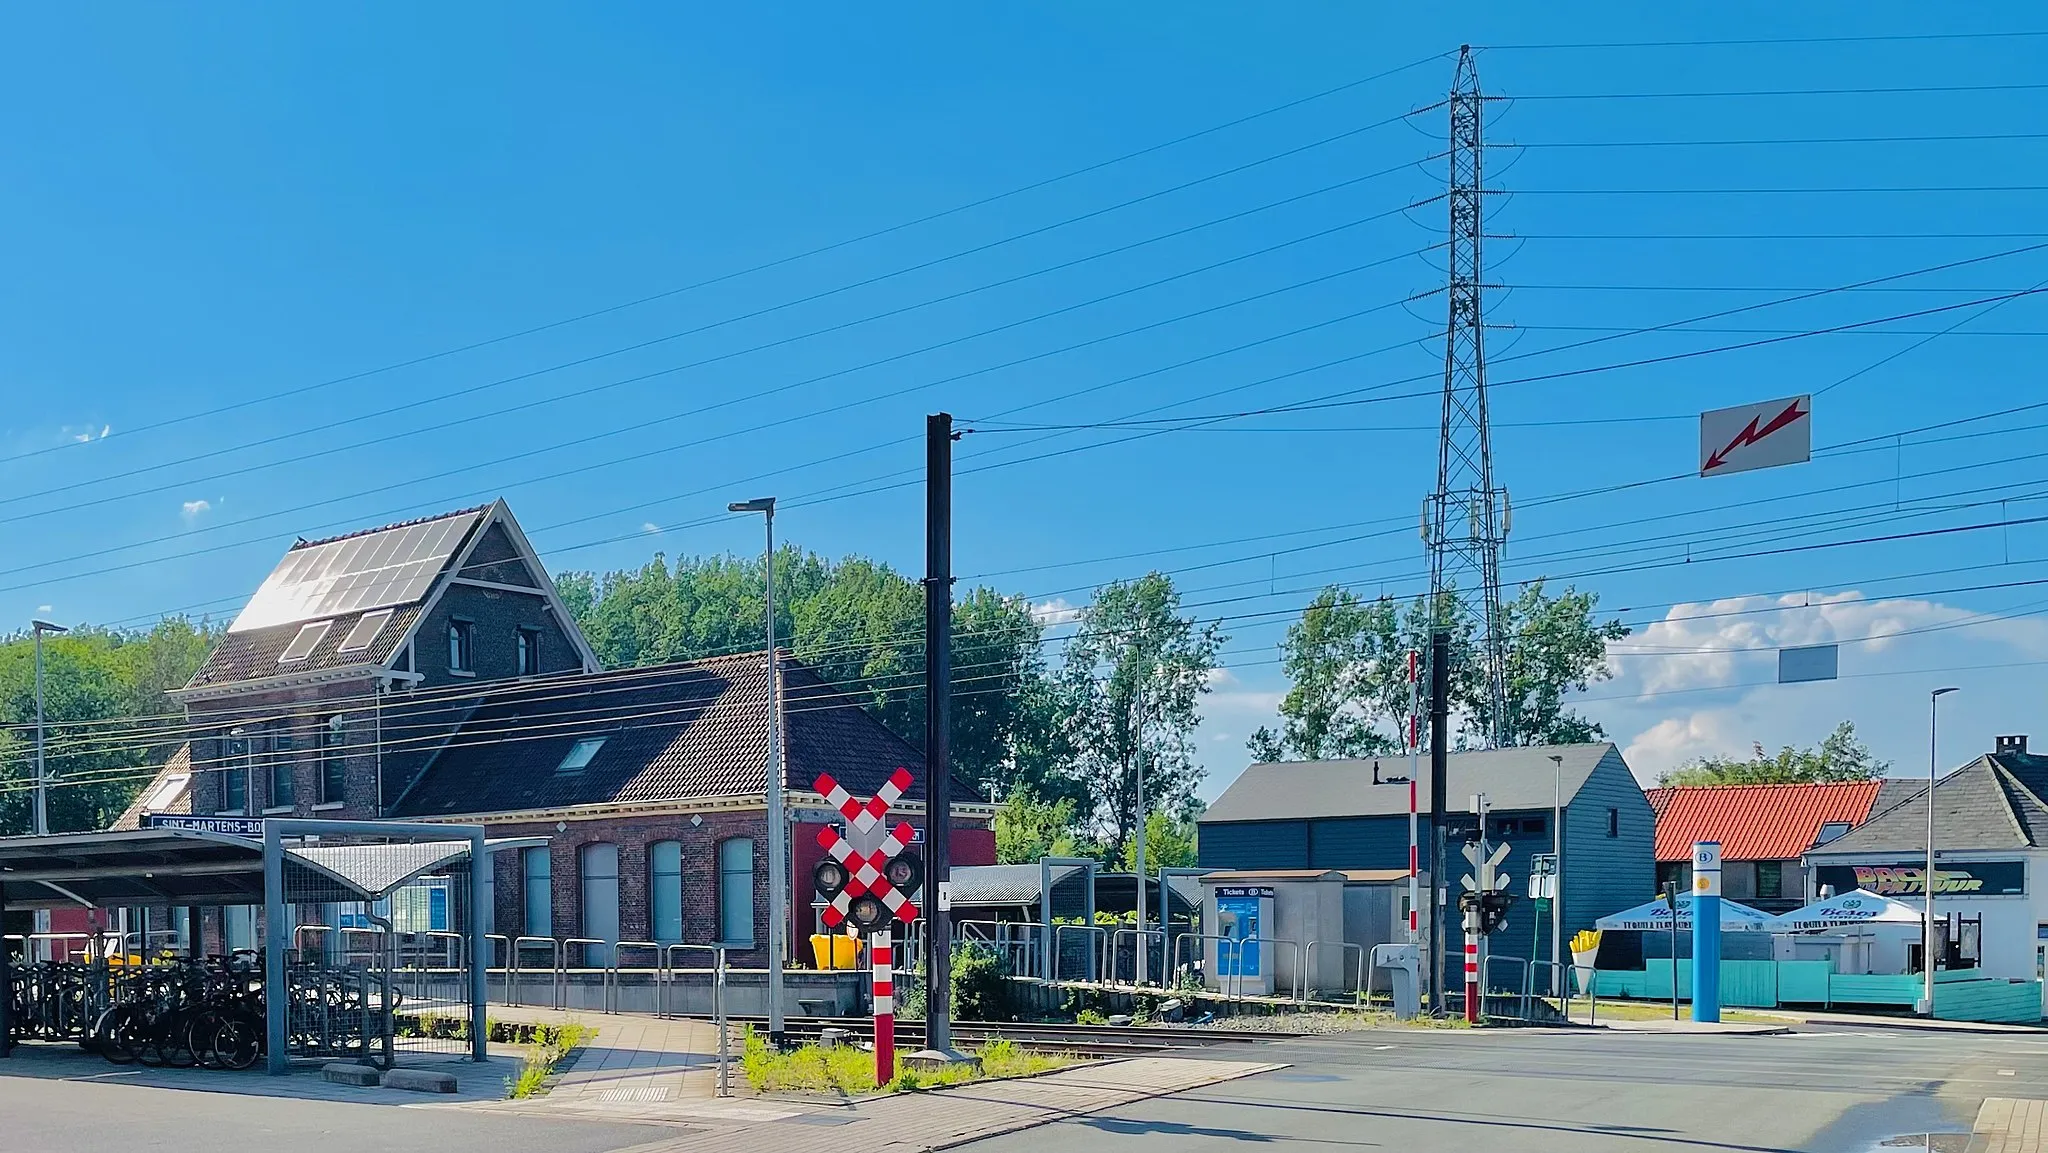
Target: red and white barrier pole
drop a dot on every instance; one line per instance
(1472, 1005)
(882, 954)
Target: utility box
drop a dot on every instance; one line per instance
(1403, 966)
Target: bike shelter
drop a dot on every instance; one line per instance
(356, 903)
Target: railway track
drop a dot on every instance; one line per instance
(1088, 1040)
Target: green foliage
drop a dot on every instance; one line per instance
(860, 623)
(1028, 828)
(981, 984)
(1090, 1017)
(1169, 843)
(1134, 650)
(91, 674)
(1348, 661)
(1840, 757)
(546, 1051)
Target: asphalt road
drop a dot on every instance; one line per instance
(1840, 1091)
(1827, 1091)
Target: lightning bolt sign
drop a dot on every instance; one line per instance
(1753, 436)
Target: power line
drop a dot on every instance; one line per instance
(780, 261)
(1759, 41)
(1776, 92)
(1771, 141)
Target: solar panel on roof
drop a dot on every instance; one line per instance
(375, 570)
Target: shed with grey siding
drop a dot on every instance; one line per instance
(1353, 814)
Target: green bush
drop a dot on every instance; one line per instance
(981, 984)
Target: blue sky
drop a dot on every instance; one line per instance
(204, 209)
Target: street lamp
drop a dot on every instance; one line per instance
(778, 832)
(42, 813)
(1927, 915)
(1557, 873)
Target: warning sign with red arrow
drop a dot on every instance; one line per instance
(1752, 436)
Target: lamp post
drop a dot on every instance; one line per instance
(42, 808)
(778, 831)
(1927, 914)
(1557, 872)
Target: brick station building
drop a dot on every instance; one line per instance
(430, 671)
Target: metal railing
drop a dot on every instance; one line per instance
(1554, 983)
(1095, 949)
(1358, 982)
(1519, 989)
(1138, 954)
(718, 1014)
(1019, 943)
(512, 991)
(611, 996)
(1272, 977)
(1223, 946)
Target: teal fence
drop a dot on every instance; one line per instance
(1959, 994)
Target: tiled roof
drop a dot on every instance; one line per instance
(697, 729)
(1517, 778)
(1994, 802)
(1755, 822)
(178, 766)
(253, 654)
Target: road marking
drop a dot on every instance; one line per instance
(1377, 1048)
(2008, 1072)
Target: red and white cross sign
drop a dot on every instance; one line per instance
(864, 815)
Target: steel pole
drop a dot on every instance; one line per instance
(938, 728)
(1929, 884)
(778, 828)
(41, 823)
(1557, 879)
(1139, 848)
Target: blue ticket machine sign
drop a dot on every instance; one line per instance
(1244, 915)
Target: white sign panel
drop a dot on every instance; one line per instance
(1706, 868)
(1751, 436)
(1808, 663)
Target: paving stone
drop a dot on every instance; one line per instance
(349, 1073)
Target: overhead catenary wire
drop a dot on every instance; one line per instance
(778, 262)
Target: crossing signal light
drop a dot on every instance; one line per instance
(868, 913)
(830, 878)
(905, 872)
(1493, 910)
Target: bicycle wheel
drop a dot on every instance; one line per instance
(121, 1038)
(199, 1032)
(175, 1040)
(237, 1041)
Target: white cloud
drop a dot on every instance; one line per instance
(1674, 741)
(194, 509)
(45, 610)
(1056, 611)
(650, 528)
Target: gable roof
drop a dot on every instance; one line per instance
(169, 791)
(1994, 802)
(400, 568)
(1755, 822)
(1517, 778)
(697, 729)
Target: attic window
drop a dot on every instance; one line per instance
(366, 631)
(580, 755)
(310, 636)
(1830, 831)
(167, 792)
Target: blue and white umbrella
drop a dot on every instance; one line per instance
(1655, 917)
(1856, 907)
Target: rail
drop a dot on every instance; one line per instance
(1094, 955)
(1486, 984)
(718, 1014)
(611, 995)
(1358, 983)
(554, 947)
(1140, 953)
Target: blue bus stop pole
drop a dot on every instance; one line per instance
(1706, 931)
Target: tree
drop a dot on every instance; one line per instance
(1133, 649)
(1840, 757)
(860, 624)
(1169, 843)
(1348, 661)
(92, 674)
(1028, 828)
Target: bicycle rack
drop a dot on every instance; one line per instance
(612, 997)
(1358, 985)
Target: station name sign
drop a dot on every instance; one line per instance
(1244, 891)
(250, 827)
(1952, 878)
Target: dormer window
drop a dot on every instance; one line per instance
(302, 646)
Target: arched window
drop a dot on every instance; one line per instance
(538, 872)
(599, 866)
(736, 891)
(665, 891)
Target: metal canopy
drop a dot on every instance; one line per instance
(187, 867)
